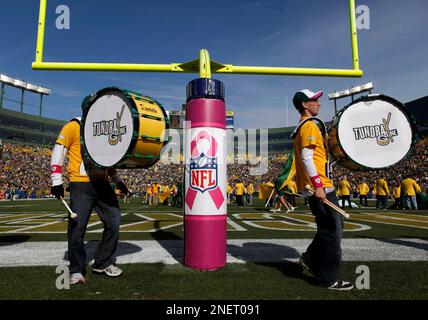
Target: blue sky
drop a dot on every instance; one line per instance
(287, 33)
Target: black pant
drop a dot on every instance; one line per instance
(86, 196)
(324, 254)
(348, 198)
(239, 200)
(363, 197)
(397, 204)
(381, 202)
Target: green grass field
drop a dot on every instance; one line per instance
(397, 271)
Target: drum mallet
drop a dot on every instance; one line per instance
(330, 204)
(73, 215)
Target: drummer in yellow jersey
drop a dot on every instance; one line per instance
(149, 194)
(363, 190)
(250, 192)
(396, 192)
(239, 192)
(90, 189)
(229, 191)
(174, 195)
(155, 193)
(345, 191)
(410, 188)
(323, 256)
(382, 193)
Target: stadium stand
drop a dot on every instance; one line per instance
(17, 127)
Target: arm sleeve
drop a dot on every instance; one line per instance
(308, 162)
(57, 159)
(417, 188)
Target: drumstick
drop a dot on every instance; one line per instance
(293, 194)
(330, 204)
(73, 215)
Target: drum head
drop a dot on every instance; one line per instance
(375, 132)
(108, 128)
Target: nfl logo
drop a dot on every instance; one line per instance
(203, 173)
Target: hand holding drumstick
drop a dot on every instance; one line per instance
(329, 203)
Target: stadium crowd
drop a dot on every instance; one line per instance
(25, 173)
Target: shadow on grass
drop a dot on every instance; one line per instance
(11, 240)
(168, 241)
(272, 256)
(407, 243)
(123, 248)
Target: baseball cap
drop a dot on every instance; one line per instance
(305, 95)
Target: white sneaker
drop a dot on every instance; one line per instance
(341, 285)
(272, 210)
(293, 208)
(111, 271)
(288, 211)
(77, 278)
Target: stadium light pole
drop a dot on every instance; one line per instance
(22, 100)
(41, 103)
(1, 95)
(42, 92)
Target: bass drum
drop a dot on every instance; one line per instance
(373, 132)
(122, 129)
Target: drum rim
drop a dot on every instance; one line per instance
(373, 97)
(130, 103)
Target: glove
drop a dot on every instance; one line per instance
(58, 191)
(121, 186)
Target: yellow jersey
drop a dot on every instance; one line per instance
(69, 137)
(250, 188)
(344, 187)
(381, 187)
(363, 189)
(396, 191)
(239, 189)
(410, 187)
(149, 190)
(309, 135)
(155, 188)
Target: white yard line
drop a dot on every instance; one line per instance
(235, 225)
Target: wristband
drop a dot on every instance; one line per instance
(316, 181)
(56, 169)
